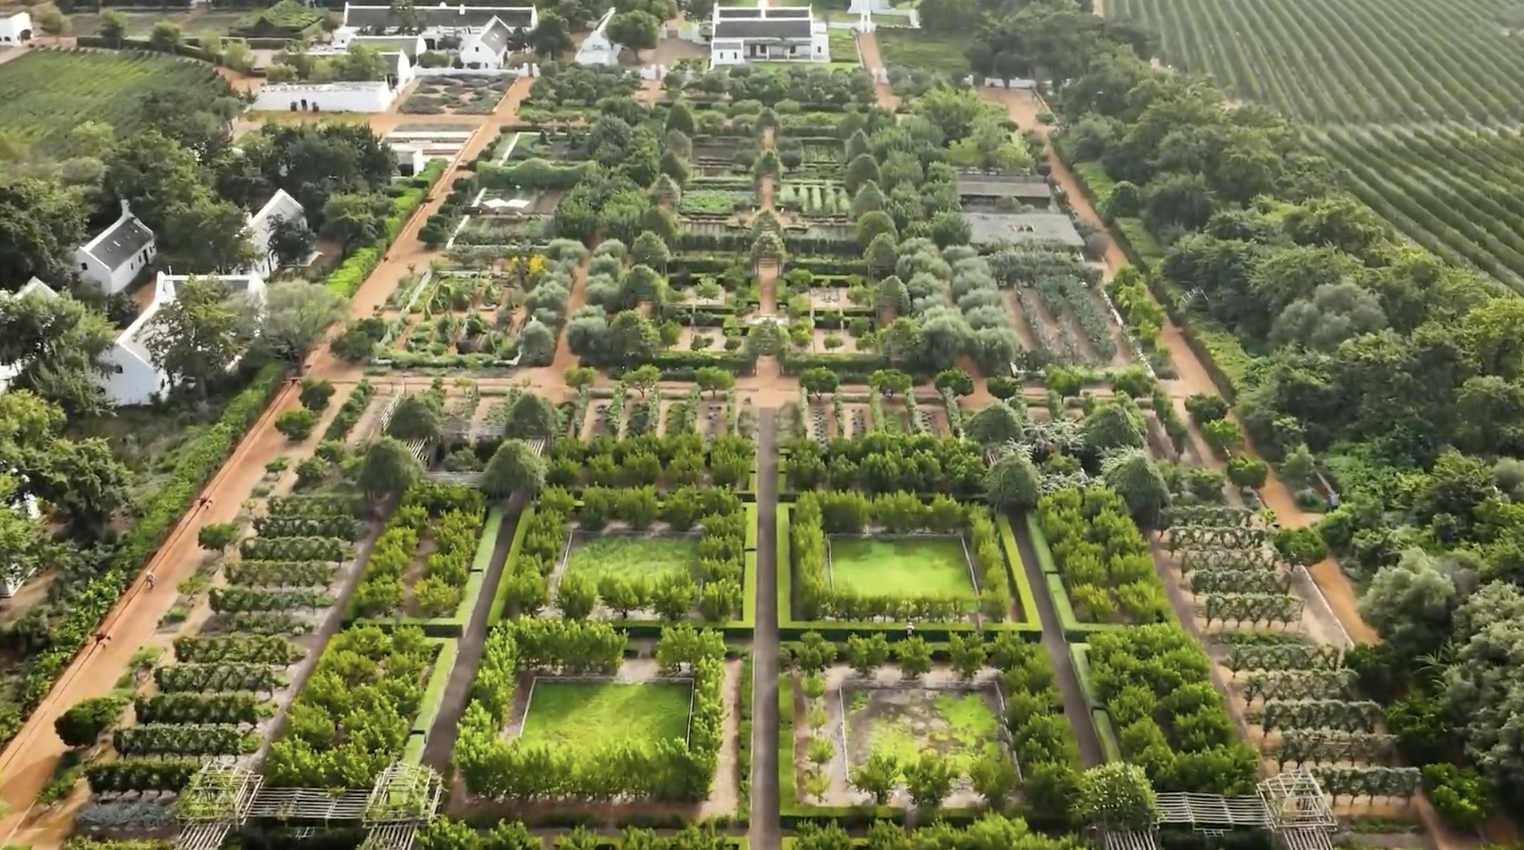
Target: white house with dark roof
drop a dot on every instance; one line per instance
(433, 23)
(598, 50)
(486, 49)
(280, 207)
(16, 28)
(137, 379)
(744, 34)
(400, 70)
(119, 254)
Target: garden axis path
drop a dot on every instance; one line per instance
(765, 828)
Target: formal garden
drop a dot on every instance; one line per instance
(880, 725)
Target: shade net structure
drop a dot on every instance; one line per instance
(223, 797)
(1290, 805)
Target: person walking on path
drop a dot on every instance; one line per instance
(150, 580)
(101, 638)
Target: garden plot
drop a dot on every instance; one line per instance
(436, 140)
(824, 341)
(1062, 320)
(228, 678)
(462, 95)
(456, 313)
(826, 298)
(717, 198)
(566, 718)
(719, 152)
(886, 716)
(498, 230)
(706, 339)
(490, 202)
(814, 198)
(626, 568)
(707, 416)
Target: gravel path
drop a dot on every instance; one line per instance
(765, 833)
(1058, 650)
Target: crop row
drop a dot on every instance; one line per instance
(1453, 191)
(1356, 61)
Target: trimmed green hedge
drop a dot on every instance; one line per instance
(195, 466)
(433, 693)
(1018, 575)
(839, 630)
(351, 274)
(500, 594)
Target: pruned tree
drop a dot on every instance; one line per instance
(387, 468)
(514, 470)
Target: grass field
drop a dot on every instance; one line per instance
(47, 93)
(595, 713)
(1352, 61)
(903, 723)
(926, 566)
(908, 48)
(630, 557)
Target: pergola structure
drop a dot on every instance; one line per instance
(471, 479)
(223, 796)
(1290, 805)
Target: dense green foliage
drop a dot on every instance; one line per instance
(495, 768)
(1156, 684)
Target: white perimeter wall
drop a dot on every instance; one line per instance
(326, 97)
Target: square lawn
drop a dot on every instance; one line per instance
(960, 725)
(631, 556)
(912, 566)
(597, 713)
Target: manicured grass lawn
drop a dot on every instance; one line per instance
(908, 48)
(912, 566)
(628, 557)
(960, 726)
(595, 713)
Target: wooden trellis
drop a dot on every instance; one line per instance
(1207, 515)
(1217, 537)
(1193, 559)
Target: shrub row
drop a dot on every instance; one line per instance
(675, 460)
(498, 769)
(887, 462)
(1104, 561)
(1156, 684)
(354, 714)
(350, 412)
(449, 514)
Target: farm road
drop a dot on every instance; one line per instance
(765, 829)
